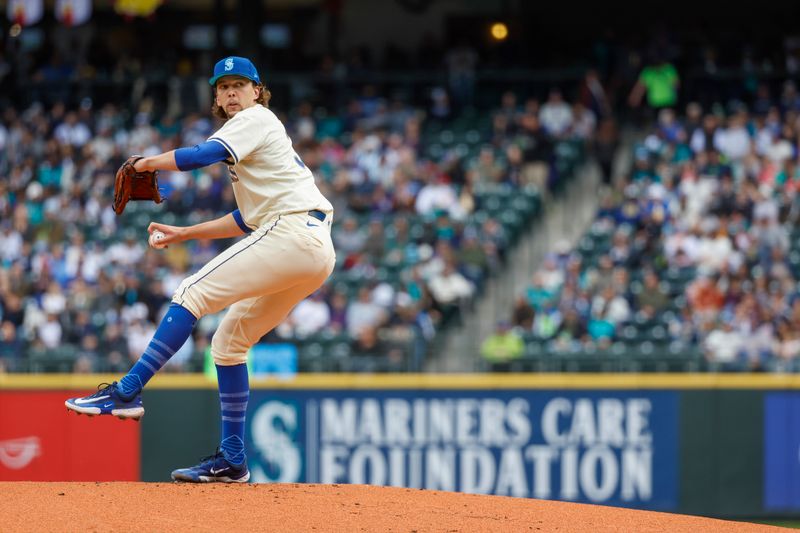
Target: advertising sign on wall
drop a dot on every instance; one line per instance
(782, 451)
(614, 448)
(40, 441)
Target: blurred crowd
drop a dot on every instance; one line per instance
(699, 239)
(75, 277)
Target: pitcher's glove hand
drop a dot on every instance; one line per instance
(132, 185)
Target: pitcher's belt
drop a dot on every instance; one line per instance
(319, 215)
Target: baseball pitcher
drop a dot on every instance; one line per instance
(286, 255)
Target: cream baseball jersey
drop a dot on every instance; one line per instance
(259, 278)
(268, 176)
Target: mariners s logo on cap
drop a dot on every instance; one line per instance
(235, 66)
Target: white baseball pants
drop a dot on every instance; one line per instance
(262, 277)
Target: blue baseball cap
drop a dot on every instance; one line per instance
(235, 66)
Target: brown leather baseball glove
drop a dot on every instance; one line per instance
(132, 185)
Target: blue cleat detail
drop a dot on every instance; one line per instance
(213, 468)
(108, 400)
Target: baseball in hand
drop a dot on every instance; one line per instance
(155, 239)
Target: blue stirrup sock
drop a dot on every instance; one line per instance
(234, 393)
(172, 332)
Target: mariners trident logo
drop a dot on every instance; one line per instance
(229, 64)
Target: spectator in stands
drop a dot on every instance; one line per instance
(72, 131)
(572, 333)
(509, 109)
(515, 164)
(523, 314)
(652, 299)
(767, 235)
(556, 115)
(398, 242)
(10, 243)
(438, 195)
(538, 294)
(310, 316)
(440, 104)
(790, 97)
(338, 312)
(724, 346)
(668, 127)
(537, 152)
(758, 339)
(610, 306)
(363, 313)
(707, 136)
(11, 347)
(601, 276)
(786, 345)
(127, 253)
(83, 364)
(78, 327)
(584, 123)
(449, 287)
(53, 301)
(407, 328)
(461, 62)
(349, 238)
(486, 169)
(369, 345)
(502, 347)
(715, 248)
(682, 327)
(704, 296)
(778, 152)
(473, 258)
(547, 321)
(89, 354)
(724, 201)
(657, 84)
(494, 237)
(115, 348)
(735, 142)
(374, 242)
(620, 252)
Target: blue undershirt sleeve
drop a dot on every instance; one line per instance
(237, 216)
(200, 155)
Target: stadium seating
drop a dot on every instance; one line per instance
(743, 239)
(133, 283)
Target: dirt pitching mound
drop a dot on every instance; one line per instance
(124, 507)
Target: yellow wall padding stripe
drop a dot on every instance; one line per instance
(425, 381)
